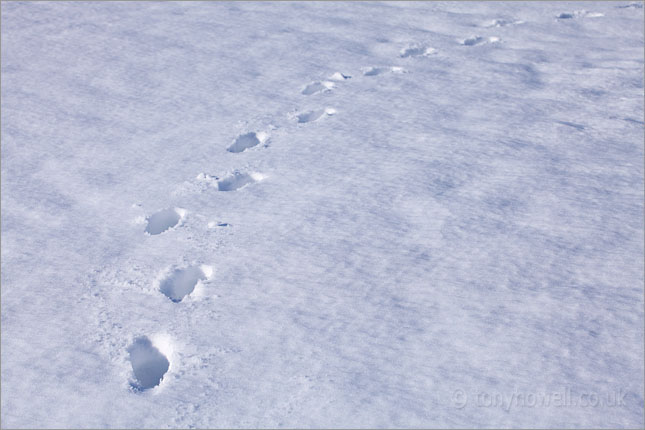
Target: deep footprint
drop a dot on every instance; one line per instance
(164, 220)
(182, 282)
(148, 364)
(247, 140)
(374, 71)
(317, 87)
(238, 180)
(314, 115)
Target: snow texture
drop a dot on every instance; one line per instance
(428, 207)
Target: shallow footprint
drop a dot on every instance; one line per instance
(163, 220)
(478, 40)
(580, 14)
(248, 140)
(181, 282)
(417, 51)
(317, 87)
(500, 23)
(314, 115)
(374, 71)
(148, 364)
(238, 180)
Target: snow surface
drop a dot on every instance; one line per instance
(467, 223)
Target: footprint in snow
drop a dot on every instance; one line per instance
(579, 14)
(499, 23)
(238, 180)
(182, 282)
(417, 50)
(149, 365)
(374, 71)
(233, 182)
(164, 220)
(314, 115)
(479, 40)
(317, 87)
(248, 140)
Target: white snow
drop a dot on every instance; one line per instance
(206, 223)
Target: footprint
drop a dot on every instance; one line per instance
(238, 180)
(248, 140)
(182, 282)
(417, 51)
(339, 77)
(314, 115)
(580, 14)
(148, 364)
(479, 40)
(373, 71)
(164, 220)
(233, 182)
(318, 87)
(499, 23)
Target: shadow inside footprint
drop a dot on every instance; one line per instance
(148, 364)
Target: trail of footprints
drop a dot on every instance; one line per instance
(149, 363)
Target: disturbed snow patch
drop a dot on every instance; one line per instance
(164, 220)
(149, 365)
(182, 282)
